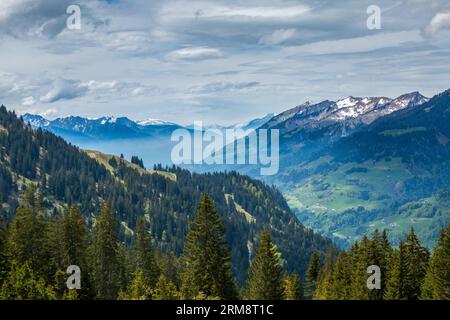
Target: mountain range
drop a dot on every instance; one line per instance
(340, 173)
(167, 198)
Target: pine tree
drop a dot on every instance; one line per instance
(398, 269)
(437, 280)
(207, 256)
(74, 247)
(105, 255)
(165, 290)
(325, 277)
(29, 237)
(417, 258)
(265, 277)
(361, 259)
(138, 289)
(292, 287)
(3, 255)
(341, 289)
(311, 275)
(145, 256)
(22, 283)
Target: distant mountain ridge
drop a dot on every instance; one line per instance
(166, 197)
(344, 115)
(103, 127)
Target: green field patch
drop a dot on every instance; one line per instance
(400, 132)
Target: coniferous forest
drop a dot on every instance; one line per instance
(169, 234)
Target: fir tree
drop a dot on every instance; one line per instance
(325, 277)
(105, 255)
(437, 280)
(361, 258)
(207, 257)
(396, 277)
(74, 246)
(29, 240)
(341, 289)
(265, 277)
(417, 258)
(138, 289)
(3, 255)
(165, 290)
(22, 283)
(311, 275)
(292, 287)
(145, 256)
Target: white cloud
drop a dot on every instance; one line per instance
(440, 21)
(278, 37)
(216, 11)
(195, 53)
(358, 44)
(64, 89)
(225, 86)
(28, 101)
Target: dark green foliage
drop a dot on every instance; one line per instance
(325, 277)
(437, 280)
(135, 160)
(106, 265)
(74, 247)
(206, 257)
(3, 255)
(22, 283)
(265, 277)
(341, 279)
(145, 256)
(311, 275)
(29, 237)
(407, 270)
(292, 287)
(68, 176)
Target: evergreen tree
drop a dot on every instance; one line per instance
(139, 288)
(396, 277)
(325, 277)
(437, 280)
(29, 237)
(207, 257)
(106, 266)
(145, 256)
(361, 258)
(165, 290)
(292, 287)
(407, 270)
(417, 258)
(265, 276)
(22, 283)
(341, 289)
(3, 255)
(74, 246)
(311, 275)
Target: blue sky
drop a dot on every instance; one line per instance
(220, 61)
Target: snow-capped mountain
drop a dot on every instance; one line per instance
(101, 128)
(36, 121)
(347, 114)
(154, 122)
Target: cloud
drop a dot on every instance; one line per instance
(225, 86)
(357, 44)
(440, 21)
(218, 11)
(278, 37)
(28, 101)
(195, 53)
(64, 89)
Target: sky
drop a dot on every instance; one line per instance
(216, 61)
